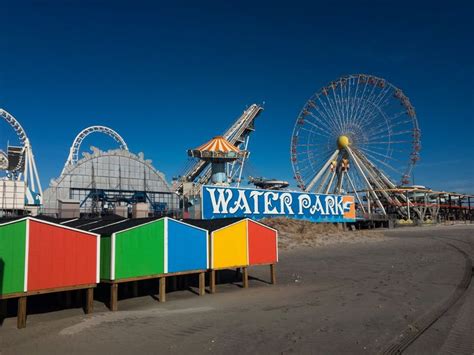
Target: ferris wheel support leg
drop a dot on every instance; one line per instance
(323, 181)
(356, 193)
(330, 183)
(372, 175)
(370, 169)
(374, 195)
(40, 190)
(318, 175)
(26, 170)
(340, 180)
(373, 178)
(31, 184)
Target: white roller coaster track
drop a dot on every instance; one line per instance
(76, 144)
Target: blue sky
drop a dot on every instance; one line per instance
(170, 75)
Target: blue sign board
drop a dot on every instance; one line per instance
(224, 202)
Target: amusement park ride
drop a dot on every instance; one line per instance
(199, 171)
(20, 188)
(352, 137)
(104, 182)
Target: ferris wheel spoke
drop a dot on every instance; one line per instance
(330, 120)
(356, 112)
(324, 156)
(382, 162)
(334, 103)
(347, 99)
(396, 134)
(330, 116)
(388, 142)
(353, 98)
(310, 131)
(372, 105)
(348, 102)
(375, 101)
(385, 156)
(339, 103)
(384, 148)
(363, 102)
(392, 122)
(339, 89)
(306, 145)
(372, 116)
(332, 125)
(319, 127)
(334, 113)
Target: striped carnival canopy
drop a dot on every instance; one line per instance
(217, 148)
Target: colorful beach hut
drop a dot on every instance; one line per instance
(239, 243)
(147, 248)
(39, 256)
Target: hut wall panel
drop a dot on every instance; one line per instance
(59, 257)
(140, 251)
(262, 244)
(12, 257)
(229, 246)
(105, 255)
(187, 247)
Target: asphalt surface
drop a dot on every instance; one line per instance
(338, 299)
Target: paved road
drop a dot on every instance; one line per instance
(339, 299)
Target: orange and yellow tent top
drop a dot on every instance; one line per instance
(218, 144)
(217, 148)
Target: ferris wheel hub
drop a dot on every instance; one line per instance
(343, 142)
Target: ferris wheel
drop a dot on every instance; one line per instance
(358, 135)
(19, 162)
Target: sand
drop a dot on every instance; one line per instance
(298, 234)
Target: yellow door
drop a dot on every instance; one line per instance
(229, 246)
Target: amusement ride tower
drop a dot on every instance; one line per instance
(218, 152)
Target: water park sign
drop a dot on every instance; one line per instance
(222, 202)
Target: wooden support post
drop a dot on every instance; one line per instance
(273, 273)
(245, 277)
(202, 284)
(89, 308)
(135, 288)
(21, 317)
(113, 297)
(162, 289)
(212, 281)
